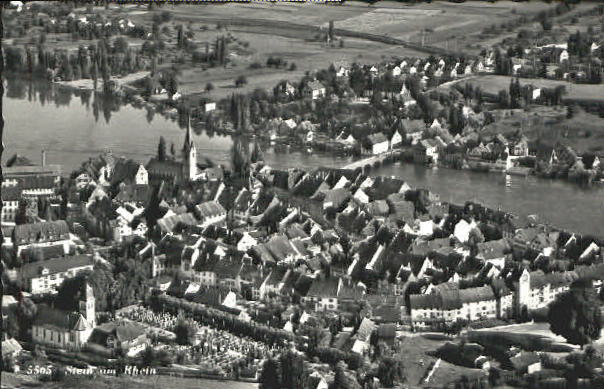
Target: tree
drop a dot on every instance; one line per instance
(293, 370)
(330, 31)
(240, 159)
(120, 45)
(161, 149)
(576, 314)
(209, 87)
(256, 153)
(185, 333)
(270, 377)
(21, 216)
(390, 372)
(26, 312)
(240, 81)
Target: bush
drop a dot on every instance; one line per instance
(539, 315)
(240, 81)
(256, 65)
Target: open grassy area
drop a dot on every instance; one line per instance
(494, 83)
(413, 349)
(11, 380)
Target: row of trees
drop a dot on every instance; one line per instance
(221, 320)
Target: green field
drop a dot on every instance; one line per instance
(493, 84)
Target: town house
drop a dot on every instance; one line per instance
(46, 276)
(41, 234)
(376, 144)
(210, 212)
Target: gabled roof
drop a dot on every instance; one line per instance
(377, 138)
(41, 232)
(228, 268)
(212, 297)
(11, 193)
(280, 247)
(124, 171)
(134, 193)
(493, 249)
(54, 266)
(168, 223)
(366, 327)
(59, 320)
(315, 85)
(171, 168)
(471, 295)
(210, 209)
(324, 288)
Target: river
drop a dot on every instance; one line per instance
(73, 127)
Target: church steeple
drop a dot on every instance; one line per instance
(190, 155)
(188, 138)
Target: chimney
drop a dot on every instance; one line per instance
(43, 157)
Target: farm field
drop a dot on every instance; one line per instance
(275, 34)
(300, 46)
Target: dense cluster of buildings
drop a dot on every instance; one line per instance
(342, 242)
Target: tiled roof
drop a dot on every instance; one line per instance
(124, 171)
(41, 232)
(243, 200)
(365, 329)
(165, 168)
(57, 319)
(425, 301)
(493, 249)
(124, 331)
(377, 138)
(210, 209)
(31, 170)
(263, 253)
(11, 193)
(211, 297)
(54, 266)
(134, 193)
(280, 247)
(324, 288)
(167, 224)
(482, 293)
(296, 231)
(228, 268)
(315, 85)
(43, 253)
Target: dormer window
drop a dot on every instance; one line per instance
(44, 271)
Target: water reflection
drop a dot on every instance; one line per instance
(73, 125)
(555, 201)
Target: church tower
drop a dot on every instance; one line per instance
(87, 306)
(190, 155)
(524, 291)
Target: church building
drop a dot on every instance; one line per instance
(66, 330)
(171, 170)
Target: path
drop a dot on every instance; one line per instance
(369, 160)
